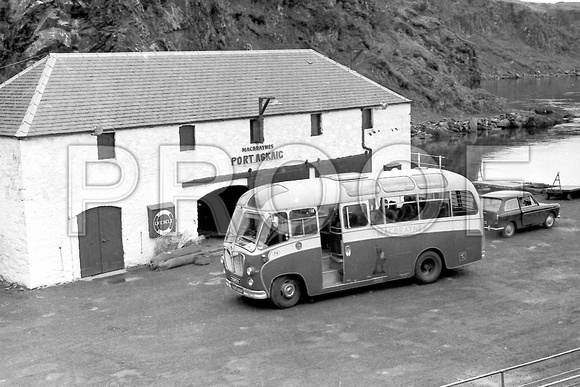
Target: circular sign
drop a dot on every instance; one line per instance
(163, 222)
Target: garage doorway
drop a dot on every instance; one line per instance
(215, 210)
(100, 240)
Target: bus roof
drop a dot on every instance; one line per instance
(350, 187)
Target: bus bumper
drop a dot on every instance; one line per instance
(257, 294)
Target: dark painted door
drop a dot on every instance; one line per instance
(100, 240)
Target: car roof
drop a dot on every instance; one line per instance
(512, 193)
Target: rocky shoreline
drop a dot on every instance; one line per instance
(540, 117)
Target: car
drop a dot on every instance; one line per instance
(509, 210)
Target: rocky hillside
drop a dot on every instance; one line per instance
(434, 52)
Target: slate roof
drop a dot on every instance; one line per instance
(69, 93)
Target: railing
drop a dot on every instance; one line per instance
(425, 160)
(554, 380)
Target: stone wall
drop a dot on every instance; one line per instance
(13, 236)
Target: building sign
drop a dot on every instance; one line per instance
(257, 154)
(161, 219)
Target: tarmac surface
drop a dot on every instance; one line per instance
(184, 327)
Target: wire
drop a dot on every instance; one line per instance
(22, 61)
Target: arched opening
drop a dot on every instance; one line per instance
(215, 210)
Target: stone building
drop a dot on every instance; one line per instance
(101, 153)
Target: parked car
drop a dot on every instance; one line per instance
(509, 210)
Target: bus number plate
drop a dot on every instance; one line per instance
(237, 289)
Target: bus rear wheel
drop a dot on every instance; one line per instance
(428, 267)
(285, 292)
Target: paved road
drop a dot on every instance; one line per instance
(184, 327)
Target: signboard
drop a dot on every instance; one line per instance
(161, 219)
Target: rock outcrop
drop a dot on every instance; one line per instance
(433, 52)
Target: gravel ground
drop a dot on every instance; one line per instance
(184, 327)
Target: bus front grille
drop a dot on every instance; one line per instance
(234, 262)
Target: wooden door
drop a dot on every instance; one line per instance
(100, 241)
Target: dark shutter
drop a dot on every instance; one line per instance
(106, 146)
(186, 137)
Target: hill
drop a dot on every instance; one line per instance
(434, 52)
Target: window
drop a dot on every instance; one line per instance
(257, 130)
(186, 138)
(401, 208)
(106, 146)
(275, 230)
(303, 222)
(316, 124)
(355, 215)
(463, 203)
(511, 204)
(367, 118)
(434, 205)
(491, 204)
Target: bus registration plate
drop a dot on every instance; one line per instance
(237, 288)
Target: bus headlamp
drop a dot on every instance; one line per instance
(250, 282)
(250, 270)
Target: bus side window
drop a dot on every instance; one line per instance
(434, 205)
(303, 222)
(390, 207)
(377, 217)
(408, 210)
(463, 203)
(355, 215)
(278, 229)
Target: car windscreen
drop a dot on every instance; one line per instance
(491, 204)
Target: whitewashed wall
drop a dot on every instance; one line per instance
(63, 177)
(13, 239)
(390, 137)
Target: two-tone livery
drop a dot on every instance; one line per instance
(336, 232)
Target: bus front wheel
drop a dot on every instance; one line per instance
(428, 267)
(285, 292)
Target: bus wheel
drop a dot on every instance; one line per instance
(428, 267)
(509, 230)
(285, 292)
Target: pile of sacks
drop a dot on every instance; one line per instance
(178, 249)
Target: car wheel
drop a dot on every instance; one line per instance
(428, 267)
(509, 230)
(285, 292)
(550, 220)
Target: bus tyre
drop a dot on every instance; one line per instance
(549, 222)
(285, 292)
(509, 230)
(428, 267)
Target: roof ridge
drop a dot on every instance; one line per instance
(26, 70)
(36, 97)
(176, 53)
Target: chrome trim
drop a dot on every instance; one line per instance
(489, 228)
(256, 294)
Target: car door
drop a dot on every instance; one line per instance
(532, 213)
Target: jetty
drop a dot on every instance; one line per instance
(562, 191)
(554, 190)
